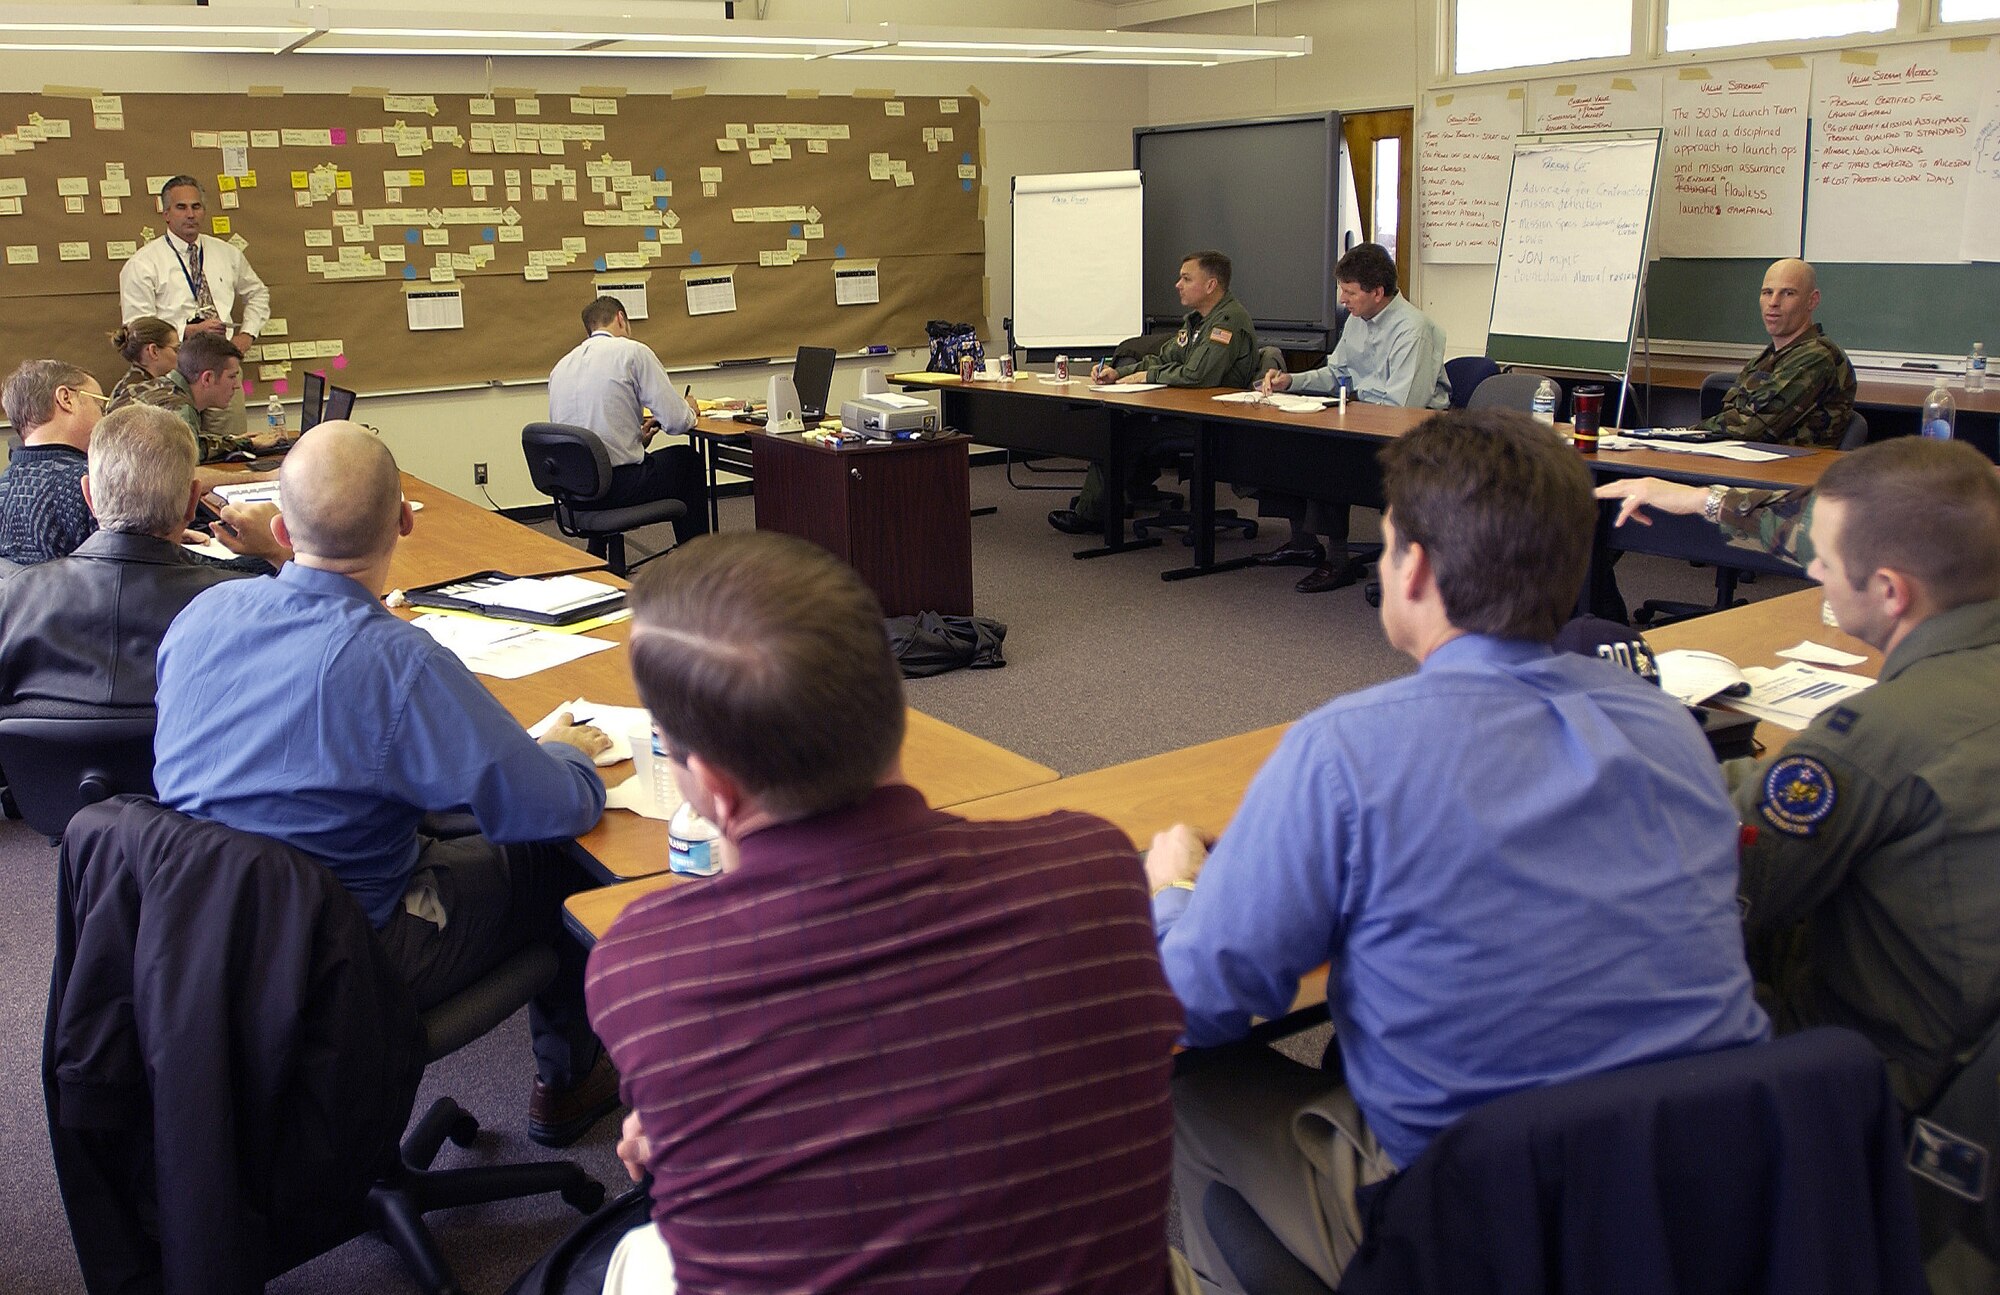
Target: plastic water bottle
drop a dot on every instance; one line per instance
(1940, 413)
(1975, 368)
(274, 414)
(1544, 406)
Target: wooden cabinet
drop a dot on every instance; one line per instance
(899, 513)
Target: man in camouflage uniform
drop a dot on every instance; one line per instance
(207, 376)
(1877, 827)
(1215, 347)
(1800, 389)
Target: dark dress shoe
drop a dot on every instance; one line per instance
(1329, 576)
(1071, 522)
(1293, 553)
(559, 1116)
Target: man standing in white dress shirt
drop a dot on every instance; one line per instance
(199, 284)
(607, 386)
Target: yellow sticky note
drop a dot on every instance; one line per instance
(302, 179)
(220, 224)
(459, 178)
(416, 180)
(343, 179)
(248, 180)
(225, 184)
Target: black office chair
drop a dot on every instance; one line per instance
(121, 859)
(60, 758)
(1182, 448)
(1465, 374)
(1767, 1167)
(1514, 389)
(570, 465)
(1961, 1237)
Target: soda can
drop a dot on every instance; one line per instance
(1062, 368)
(967, 367)
(1007, 368)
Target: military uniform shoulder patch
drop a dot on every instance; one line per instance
(1799, 795)
(1181, 337)
(1220, 336)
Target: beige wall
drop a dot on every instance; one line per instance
(1076, 119)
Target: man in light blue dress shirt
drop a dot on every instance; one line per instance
(1520, 865)
(606, 386)
(1391, 353)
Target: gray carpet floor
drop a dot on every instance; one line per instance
(1105, 663)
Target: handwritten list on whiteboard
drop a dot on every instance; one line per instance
(1892, 152)
(1981, 241)
(1736, 161)
(1575, 240)
(1466, 141)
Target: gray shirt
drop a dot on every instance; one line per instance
(1396, 358)
(603, 384)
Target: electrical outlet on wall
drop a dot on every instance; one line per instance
(479, 474)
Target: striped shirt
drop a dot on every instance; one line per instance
(896, 1051)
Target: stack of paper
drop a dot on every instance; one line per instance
(619, 723)
(545, 595)
(506, 650)
(1736, 451)
(1793, 693)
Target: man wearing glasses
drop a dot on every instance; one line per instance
(54, 406)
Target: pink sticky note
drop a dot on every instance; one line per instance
(249, 387)
(279, 386)
(339, 134)
(340, 361)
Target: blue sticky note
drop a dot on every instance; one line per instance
(652, 233)
(694, 258)
(409, 272)
(488, 234)
(965, 159)
(798, 231)
(601, 264)
(840, 249)
(965, 185)
(411, 236)
(659, 173)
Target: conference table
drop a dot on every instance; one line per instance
(454, 538)
(1328, 455)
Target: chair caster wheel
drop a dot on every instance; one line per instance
(585, 1197)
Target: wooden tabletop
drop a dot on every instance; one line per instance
(454, 538)
(1197, 785)
(1752, 635)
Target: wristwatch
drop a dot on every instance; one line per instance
(1711, 507)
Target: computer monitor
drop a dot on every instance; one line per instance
(812, 374)
(339, 403)
(315, 397)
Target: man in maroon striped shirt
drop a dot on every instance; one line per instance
(885, 1049)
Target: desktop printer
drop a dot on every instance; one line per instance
(887, 415)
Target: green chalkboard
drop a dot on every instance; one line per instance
(1901, 309)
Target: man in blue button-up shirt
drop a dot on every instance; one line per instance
(1521, 866)
(337, 727)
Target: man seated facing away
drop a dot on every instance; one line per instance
(207, 375)
(1876, 829)
(1799, 390)
(336, 727)
(1393, 354)
(84, 628)
(886, 1047)
(1520, 863)
(606, 386)
(1215, 347)
(53, 406)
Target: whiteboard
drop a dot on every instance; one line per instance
(1573, 245)
(1078, 239)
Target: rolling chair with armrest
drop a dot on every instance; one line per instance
(286, 1047)
(1182, 448)
(1513, 389)
(61, 757)
(1960, 1132)
(570, 465)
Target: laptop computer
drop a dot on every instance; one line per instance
(314, 397)
(339, 403)
(812, 378)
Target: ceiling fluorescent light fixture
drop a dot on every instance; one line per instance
(149, 29)
(343, 31)
(1002, 45)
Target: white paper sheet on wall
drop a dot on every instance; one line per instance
(1465, 140)
(1736, 161)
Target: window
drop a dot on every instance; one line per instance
(1385, 177)
(1967, 10)
(1492, 34)
(1708, 24)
